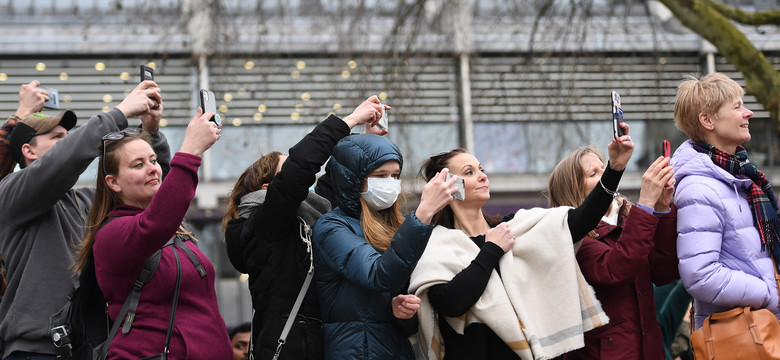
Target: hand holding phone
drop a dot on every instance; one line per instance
(208, 103)
(461, 193)
(617, 116)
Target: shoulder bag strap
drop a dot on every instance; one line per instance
(293, 313)
(175, 301)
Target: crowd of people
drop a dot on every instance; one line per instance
(346, 271)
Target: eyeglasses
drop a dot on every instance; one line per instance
(113, 136)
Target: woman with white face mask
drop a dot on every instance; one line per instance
(365, 250)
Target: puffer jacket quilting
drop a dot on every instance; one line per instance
(355, 281)
(721, 264)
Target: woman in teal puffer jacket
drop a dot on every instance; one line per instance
(365, 251)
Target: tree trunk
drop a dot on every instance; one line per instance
(761, 78)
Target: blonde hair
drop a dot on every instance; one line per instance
(566, 186)
(702, 96)
(379, 227)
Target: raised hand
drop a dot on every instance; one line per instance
(31, 99)
(657, 185)
(141, 100)
(150, 121)
(364, 113)
(436, 194)
(201, 134)
(501, 236)
(620, 150)
(405, 306)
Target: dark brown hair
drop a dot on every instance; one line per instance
(429, 169)
(252, 179)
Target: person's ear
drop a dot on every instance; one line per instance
(706, 121)
(28, 153)
(264, 187)
(113, 184)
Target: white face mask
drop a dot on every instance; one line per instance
(381, 192)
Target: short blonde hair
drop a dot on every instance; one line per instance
(705, 95)
(566, 186)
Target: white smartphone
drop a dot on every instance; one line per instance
(461, 193)
(382, 124)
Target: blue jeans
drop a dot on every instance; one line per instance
(21, 355)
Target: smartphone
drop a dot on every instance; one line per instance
(617, 116)
(209, 104)
(147, 73)
(54, 99)
(461, 193)
(667, 148)
(667, 152)
(382, 123)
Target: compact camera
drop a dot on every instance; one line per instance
(382, 123)
(61, 336)
(54, 99)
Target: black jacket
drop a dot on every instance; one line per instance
(268, 247)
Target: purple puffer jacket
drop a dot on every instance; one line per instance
(721, 262)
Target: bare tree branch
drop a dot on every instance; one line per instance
(760, 18)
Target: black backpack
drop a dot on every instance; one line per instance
(83, 325)
(82, 329)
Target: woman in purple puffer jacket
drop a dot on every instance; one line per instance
(726, 210)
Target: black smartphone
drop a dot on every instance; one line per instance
(617, 116)
(460, 194)
(147, 73)
(54, 99)
(209, 104)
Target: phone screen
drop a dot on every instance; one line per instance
(209, 104)
(617, 116)
(147, 73)
(461, 193)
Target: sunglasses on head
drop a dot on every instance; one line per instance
(113, 136)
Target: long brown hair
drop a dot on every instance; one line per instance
(252, 179)
(430, 167)
(379, 227)
(104, 199)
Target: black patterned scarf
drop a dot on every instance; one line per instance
(761, 197)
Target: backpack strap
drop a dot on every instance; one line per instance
(179, 241)
(148, 269)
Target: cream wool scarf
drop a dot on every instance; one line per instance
(541, 304)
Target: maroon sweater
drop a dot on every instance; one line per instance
(120, 248)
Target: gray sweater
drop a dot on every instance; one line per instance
(42, 220)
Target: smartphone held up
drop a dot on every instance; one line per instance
(208, 103)
(461, 193)
(617, 116)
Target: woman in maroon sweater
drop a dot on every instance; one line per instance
(633, 247)
(135, 214)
